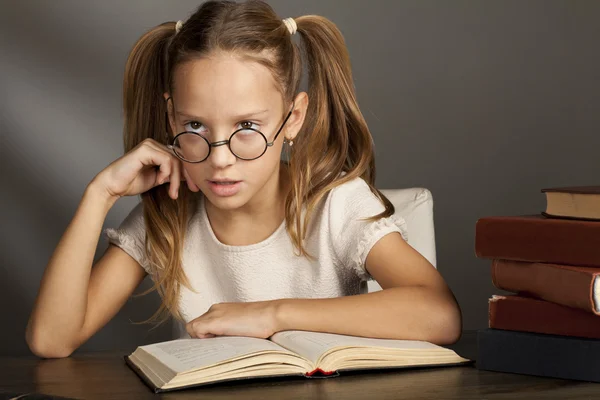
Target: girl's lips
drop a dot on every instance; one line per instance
(225, 189)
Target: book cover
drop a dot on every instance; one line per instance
(517, 313)
(535, 238)
(156, 389)
(571, 286)
(574, 190)
(538, 354)
(316, 375)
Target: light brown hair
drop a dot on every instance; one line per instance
(333, 139)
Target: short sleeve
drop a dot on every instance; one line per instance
(130, 235)
(352, 237)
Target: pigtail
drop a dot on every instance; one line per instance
(145, 80)
(143, 84)
(335, 137)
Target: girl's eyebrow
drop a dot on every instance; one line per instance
(238, 117)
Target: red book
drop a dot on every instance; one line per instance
(517, 313)
(536, 238)
(577, 287)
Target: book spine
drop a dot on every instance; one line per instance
(537, 239)
(517, 313)
(538, 354)
(570, 286)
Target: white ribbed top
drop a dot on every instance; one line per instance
(269, 269)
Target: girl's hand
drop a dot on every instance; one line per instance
(255, 319)
(146, 166)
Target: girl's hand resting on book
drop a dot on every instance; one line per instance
(146, 166)
(255, 319)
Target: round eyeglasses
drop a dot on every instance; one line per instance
(245, 143)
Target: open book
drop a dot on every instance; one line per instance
(181, 363)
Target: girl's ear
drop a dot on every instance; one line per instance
(298, 114)
(169, 102)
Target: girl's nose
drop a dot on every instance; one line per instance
(221, 156)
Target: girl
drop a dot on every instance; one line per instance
(237, 240)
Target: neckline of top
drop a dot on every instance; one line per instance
(232, 248)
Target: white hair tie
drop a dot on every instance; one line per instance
(291, 25)
(178, 26)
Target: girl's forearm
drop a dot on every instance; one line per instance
(413, 313)
(59, 310)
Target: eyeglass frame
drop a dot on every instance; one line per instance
(171, 143)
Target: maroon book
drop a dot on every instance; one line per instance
(524, 314)
(571, 286)
(536, 238)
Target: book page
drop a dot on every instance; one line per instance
(597, 293)
(187, 354)
(312, 345)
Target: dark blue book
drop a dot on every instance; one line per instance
(555, 356)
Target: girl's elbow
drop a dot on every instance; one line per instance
(448, 326)
(42, 346)
(48, 351)
(442, 322)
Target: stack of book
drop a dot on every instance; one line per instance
(550, 262)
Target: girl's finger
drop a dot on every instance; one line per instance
(174, 178)
(169, 169)
(164, 164)
(191, 185)
(208, 335)
(149, 155)
(190, 331)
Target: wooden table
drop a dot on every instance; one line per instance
(104, 375)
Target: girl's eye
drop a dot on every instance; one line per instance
(194, 126)
(248, 124)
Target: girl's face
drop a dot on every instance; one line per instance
(215, 96)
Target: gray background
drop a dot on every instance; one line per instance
(484, 103)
